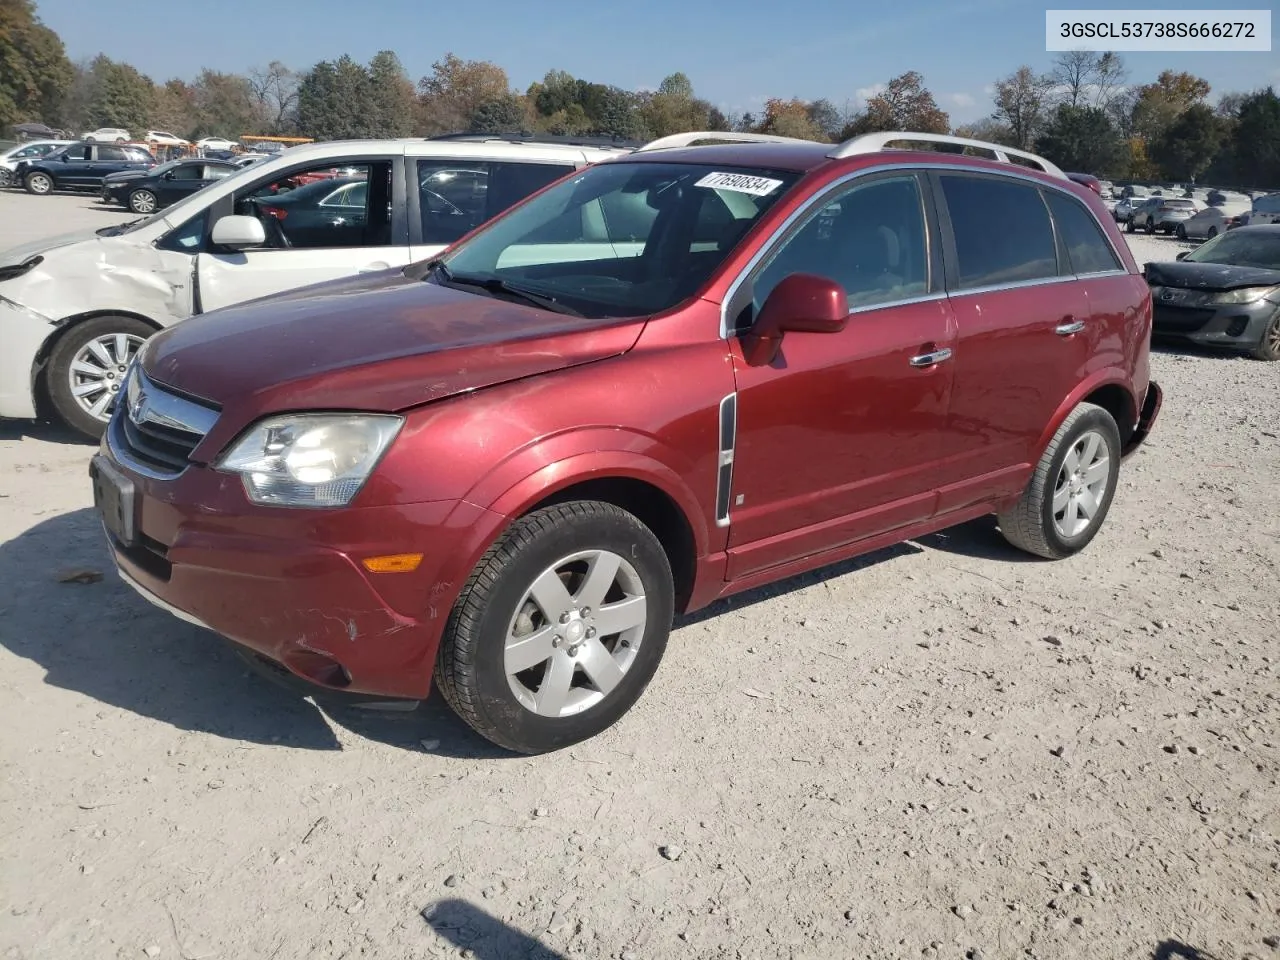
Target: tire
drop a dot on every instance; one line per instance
(61, 379)
(1128, 225)
(1268, 347)
(143, 202)
(1031, 524)
(39, 183)
(1213, 232)
(471, 668)
(1150, 226)
(1182, 232)
(6, 177)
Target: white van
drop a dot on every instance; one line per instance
(75, 309)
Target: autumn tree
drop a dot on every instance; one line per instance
(1158, 105)
(790, 118)
(1023, 102)
(174, 108)
(988, 130)
(674, 108)
(35, 73)
(450, 95)
(904, 104)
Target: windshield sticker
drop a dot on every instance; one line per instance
(740, 183)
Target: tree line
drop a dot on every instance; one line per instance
(1083, 114)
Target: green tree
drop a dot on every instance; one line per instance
(674, 108)
(174, 108)
(989, 130)
(225, 105)
(1185, 149)
(1256, 145)
(450, 95)
(1082, 138)
(336, 101)
(121, 96)
(35, 73)
(392, 94)
(1158, 105)
(503, 114)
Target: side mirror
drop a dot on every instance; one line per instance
(801, 303)
(1182, 255)
(239, 233)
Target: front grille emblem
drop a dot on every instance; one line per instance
(140, 407)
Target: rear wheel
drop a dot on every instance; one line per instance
(1213, 232)
(39, 183)
(1182, 232)
(1268, 347)
(559, 628)
(142, 201)
(87, 367)
(1151, 226)
(1069, 495)
(1128, 225)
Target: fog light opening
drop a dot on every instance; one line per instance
(1237, 326)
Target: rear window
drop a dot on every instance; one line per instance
(1181, 204)
(1002, 231)
(1087, 246)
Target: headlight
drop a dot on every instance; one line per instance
(310, 460)
(1245, 294)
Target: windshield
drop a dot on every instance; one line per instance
(1241, 248)
(621, 239)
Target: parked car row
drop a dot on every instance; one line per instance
(569, 425)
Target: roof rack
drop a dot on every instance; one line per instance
(548, 138)
(875, 142)
(724, 136)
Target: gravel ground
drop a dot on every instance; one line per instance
(941, 750)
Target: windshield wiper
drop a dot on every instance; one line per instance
(119, 228)
(498, 285)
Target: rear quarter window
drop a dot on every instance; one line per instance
(1002, 231)
(1087, 246)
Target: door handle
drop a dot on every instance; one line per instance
(1068, 326)
(930, 359)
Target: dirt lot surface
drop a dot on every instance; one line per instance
(942, 750)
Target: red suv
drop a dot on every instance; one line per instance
(662, 380)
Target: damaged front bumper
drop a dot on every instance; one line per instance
(22, 334)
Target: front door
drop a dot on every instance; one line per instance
(838, 438)
(312, 235)
(75, 167)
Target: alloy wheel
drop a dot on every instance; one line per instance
(6, 177)
(39, 183)
(1082, 485)
(96, 375)
(143, 201)
(575, 633)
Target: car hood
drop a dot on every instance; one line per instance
(112, 178)
(381, 342)
(1209, 276)
(16, 255)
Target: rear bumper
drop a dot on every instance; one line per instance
(1151, 405)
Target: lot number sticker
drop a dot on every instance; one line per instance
(740, 183)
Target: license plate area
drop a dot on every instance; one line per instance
(116, 499)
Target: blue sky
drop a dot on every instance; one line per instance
(736, 53)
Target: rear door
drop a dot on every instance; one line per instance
(306, 243)
(108, 158)
(455, 195)
(1024, 332)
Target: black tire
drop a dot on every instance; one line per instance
(1213, 232)
(6, 177)
(470, 668)
(1268, 347)
(1128, 225)
(57, 376)
(1182, 232)
(1029, 525)
(143, 202)
(1151, 226)
(39, 183)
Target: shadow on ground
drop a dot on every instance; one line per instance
(1174, 950)
(45, 430)
(467, 927)
(103, 640)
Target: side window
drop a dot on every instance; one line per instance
(870, 239)
(216, 172)
(509, 183)
(188, 171)
(293, 212)
(1087, 246)
(452, 195)
(79, 153)
(188, 238)
(1002, 231)
(112, 153)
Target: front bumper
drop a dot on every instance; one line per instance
(288, 585)
(1238, 325)
(24, 333)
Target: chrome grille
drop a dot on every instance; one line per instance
(154, 431)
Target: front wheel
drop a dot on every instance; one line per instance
(39, 184)
(1070, 492)
(1151, 227)
(1213, 232)
(1182, 232)
(560, 627)
(1129, 226)
(1268, 347)
(87, 367)
(6, 177)
(143, 202)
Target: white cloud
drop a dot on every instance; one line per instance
(863, 94)
(962, 100)
(989, 89)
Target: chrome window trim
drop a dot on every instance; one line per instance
(805, 207)
(1095, 274)
(907, 301)
(1016, 285)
